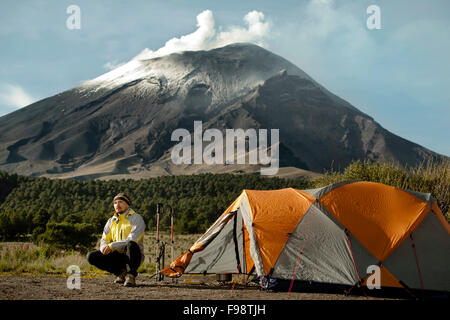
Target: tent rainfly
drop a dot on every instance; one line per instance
(335, 235)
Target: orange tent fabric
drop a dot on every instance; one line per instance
(379, 216)
(275, 215)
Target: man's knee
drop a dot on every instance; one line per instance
(133, 250)
(132, 245)
(92, 257)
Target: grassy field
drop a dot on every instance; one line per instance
(26, 257)
(181, 244)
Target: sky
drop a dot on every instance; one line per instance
(391, 63)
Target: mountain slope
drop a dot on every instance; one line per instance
(120, 124)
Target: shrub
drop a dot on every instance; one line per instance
(64, 235)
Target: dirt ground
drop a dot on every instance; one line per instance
(55, 288)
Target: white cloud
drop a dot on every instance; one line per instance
(256, 32)
(14, 96)
(206, 37)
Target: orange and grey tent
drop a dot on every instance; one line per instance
(331, 235)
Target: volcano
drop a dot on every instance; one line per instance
(119, 125)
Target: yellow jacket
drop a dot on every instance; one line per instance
(120, 229)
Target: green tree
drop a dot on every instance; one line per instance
(64, 235)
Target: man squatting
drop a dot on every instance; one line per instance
(122, 243)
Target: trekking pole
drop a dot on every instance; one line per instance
(161, 254)
(157, 266)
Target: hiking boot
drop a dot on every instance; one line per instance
(130, 280)
(121, 277)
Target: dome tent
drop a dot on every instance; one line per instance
(331, 235)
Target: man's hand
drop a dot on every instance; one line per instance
(105, 250)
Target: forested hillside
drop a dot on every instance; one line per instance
(29, 203)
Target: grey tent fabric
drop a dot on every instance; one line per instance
(362, 258)
(220, 255)
(325, 256)
(320, 192)
(216, 228)
(432, 248)
(422, 196)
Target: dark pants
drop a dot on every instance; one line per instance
(115, 262)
